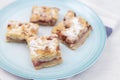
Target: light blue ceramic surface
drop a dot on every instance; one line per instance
(15, 57)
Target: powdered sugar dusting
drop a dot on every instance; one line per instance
(74, 29)
(42, 44)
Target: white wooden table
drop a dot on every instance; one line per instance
(108, 65)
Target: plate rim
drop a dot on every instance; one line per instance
(3, 66)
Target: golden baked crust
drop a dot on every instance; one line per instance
(44, 15)
(19, 32)
(45, 51)
(73, 30)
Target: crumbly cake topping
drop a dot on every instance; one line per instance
(53, 11)
(30, 26)
(14, 26)
(44, 11)
(74, 29)
(43, 43)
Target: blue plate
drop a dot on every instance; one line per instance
(15, 57)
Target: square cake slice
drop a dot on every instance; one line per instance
(44, 15)
(45, 51)
(19, 32)
(73, 30)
